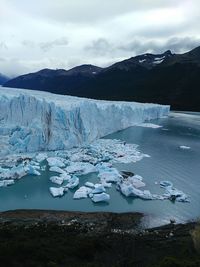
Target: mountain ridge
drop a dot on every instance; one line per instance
(165, 78)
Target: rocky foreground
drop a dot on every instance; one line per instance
(58, 238)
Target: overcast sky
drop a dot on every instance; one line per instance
(36, 34)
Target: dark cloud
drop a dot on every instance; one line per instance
(175, 44)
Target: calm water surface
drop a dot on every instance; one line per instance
(167, 162)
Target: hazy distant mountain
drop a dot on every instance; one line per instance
(164, 78)
(3, 79)
(56, 81)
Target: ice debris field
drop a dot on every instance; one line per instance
(67, 130)
(67, 167)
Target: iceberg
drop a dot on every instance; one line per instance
(32, 121)
(56, 180)
(56, 169)
(82, 192)
(55, 162)
(89, 184)
(73, 182)
(149, 125)
(185, 147)
(109, 175)
(98, 188)
(80, 168)
(172, 193)
(57, 191)
(5, 183)
(103, 197)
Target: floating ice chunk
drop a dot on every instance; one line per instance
(105, 184)
(89, 184)
(172, 193)
(129, 190)
(15, 173)
(103, 197)
(103, 166)
(166, 184)
(73, 182)
(65, 176)
(136, 181)
(5, 183)
(56, 180)
(55, 162)
(185, 147)
(56, 169)
(109, 175)
(41, 156)
(32, 170)
(98, 188)
(80, 168)
(57, 191)
(82, 192)
(149, 125)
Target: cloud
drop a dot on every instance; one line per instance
(63, 33)
(175, 44)
(3, 45)
(99, 47)
(46, 46)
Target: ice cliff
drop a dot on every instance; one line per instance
(36, 121)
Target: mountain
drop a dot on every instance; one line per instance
(3, 79)
(162, 78)
(57, 81)
(172, 80)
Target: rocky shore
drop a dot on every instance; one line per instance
(59, 238)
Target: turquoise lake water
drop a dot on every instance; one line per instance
(167, 162)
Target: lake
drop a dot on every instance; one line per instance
(167, 162)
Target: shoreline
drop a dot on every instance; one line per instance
(60, 238)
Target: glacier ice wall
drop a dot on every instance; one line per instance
(36, 121)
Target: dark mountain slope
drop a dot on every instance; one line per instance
(56, 81)
(164, 78)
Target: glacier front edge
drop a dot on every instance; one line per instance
(39, 121)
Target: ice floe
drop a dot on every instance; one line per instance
(55, 162)
(57, 191)
(102, 197)
(172, 193)
(73, 182)
(185, 147)
(56, 180)
(82, 192)
(149, 125)
(80, 168)
(4, 183)
(56, 169)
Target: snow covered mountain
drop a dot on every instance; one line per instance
(36, 121)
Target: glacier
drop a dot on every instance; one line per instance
(33, 121)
